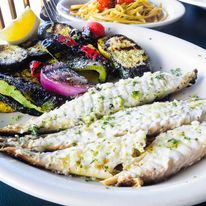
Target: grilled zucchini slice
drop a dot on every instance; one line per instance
(48, 28)
(8, 104)
(127, 57)
(101, 47)
(28, 94)
(91, 60)
(81, 64)
(12, 58)
(5, 108)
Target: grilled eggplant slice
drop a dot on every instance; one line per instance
(12, 58)
(38, 52)
(82, 37)
(46, 29)
(11, 105)
(127, 57)
(29, 95)
(54, 47)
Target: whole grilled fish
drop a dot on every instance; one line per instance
(105, 99)
(167, 155)
(152, 118)
(99, 159)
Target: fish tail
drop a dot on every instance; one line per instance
(125, 182)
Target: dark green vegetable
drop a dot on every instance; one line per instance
(16, 106)
(127, 57)
(38, 52)
(28, 94)
(12, 58)
(46, 29)
(54, 47)
(86, 64)
(82, 37)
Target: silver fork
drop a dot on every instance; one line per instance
(51, 12)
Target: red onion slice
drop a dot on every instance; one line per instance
(58, 78)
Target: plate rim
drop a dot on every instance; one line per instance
(178, 15)
(195, 3)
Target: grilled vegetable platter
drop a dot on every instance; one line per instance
(63, 62)
(101, 111)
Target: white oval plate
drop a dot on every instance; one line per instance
(200, 3)
(186, 188)
(174, 9)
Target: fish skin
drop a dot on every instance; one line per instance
(153, 119)
(167, 155)
(97, 160)
(106, 99)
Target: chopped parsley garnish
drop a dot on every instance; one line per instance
(34, 130)
(174, 103)
(95, 153)
(173, 143)
(18, 117)
(106, 168)
(127, 112)
(160, 76)
(134, 83)
(122, 101)
(93, 161)
(177, 72)
(195, 97)
(106, 120)
(136, 94)
(74, 144)
(187, 138)
(182, 134)
(101, 98)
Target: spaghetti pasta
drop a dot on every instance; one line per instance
(138, 12)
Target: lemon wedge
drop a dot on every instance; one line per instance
(22, 28)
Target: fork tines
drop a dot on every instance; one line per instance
(50, 9)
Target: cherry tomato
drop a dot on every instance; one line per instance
(105, 4)
(124, 1)
(96, 29)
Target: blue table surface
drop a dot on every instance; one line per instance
(192, 27)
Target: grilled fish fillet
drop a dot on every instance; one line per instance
(153, 119)
(105, 99)
(99, 159)
(168, 154)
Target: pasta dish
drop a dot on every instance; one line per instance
(126, 11)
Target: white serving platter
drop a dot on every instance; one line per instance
(186, 188)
